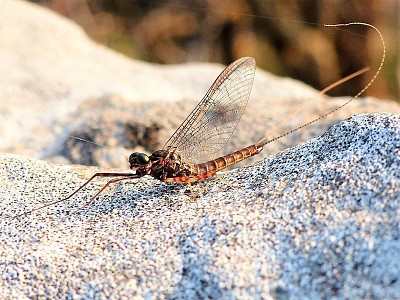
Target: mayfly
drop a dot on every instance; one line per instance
(205, 131)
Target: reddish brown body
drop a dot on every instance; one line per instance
(210, 168)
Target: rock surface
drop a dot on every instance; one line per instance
(320, 219)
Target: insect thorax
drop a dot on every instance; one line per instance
(167, 164)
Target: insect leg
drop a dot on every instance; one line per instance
(115, 180)
(226, 182)
(130, 175)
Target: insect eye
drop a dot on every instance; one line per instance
(143, 158)
(137, 158)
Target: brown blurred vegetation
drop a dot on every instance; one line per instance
(281, 35)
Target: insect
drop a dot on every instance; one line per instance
(203, 133)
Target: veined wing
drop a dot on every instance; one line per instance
(211, 124)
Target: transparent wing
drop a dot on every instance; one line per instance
(211, 124)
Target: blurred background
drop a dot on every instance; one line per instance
(281, 35)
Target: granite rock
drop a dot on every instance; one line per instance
(318, 220)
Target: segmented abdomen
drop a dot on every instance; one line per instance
(209, 168)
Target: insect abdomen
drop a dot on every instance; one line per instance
(209, 168)
(226, 161)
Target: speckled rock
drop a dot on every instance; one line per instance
(320, 220)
